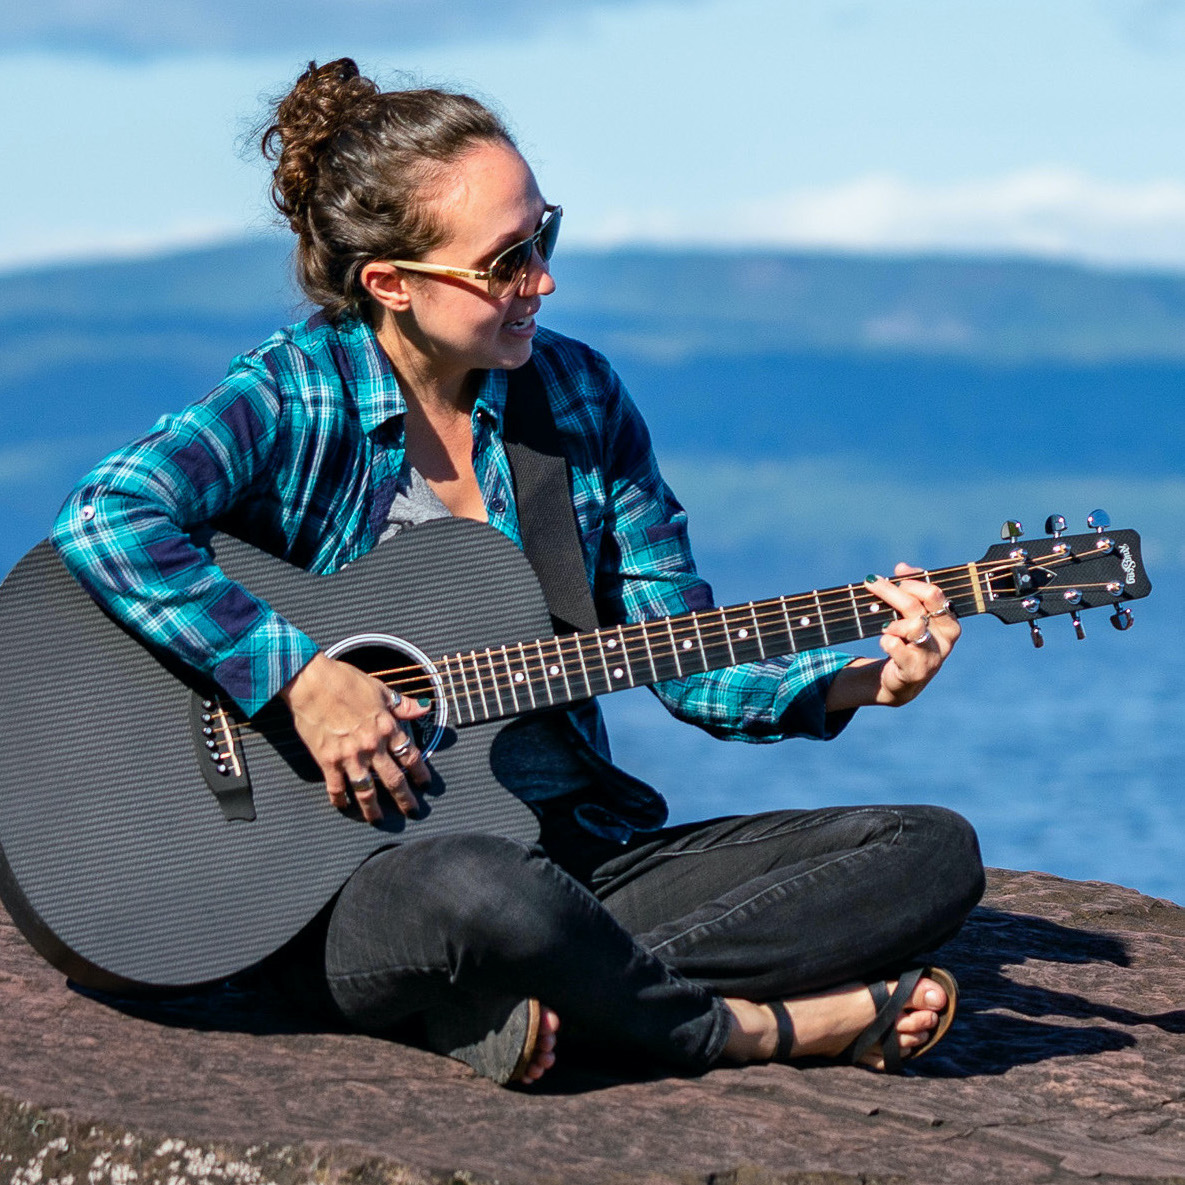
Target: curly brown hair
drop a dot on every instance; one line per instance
(354, 169)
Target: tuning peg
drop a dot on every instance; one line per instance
(1121, 619)
(1099, 519)
(1055, 524)
(1011, 529)
(1078, 630)
(1035, 634)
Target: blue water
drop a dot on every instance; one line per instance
(1067, 759)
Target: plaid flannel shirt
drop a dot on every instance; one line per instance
(301, 445)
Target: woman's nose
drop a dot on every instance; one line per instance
(537, 279)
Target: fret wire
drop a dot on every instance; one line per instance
(526, 674)
(452, 689)
(509, 678)
(546, 674)
(494, 678)
(627, 665)
(699, 636)
(674, 648)
(604, 660)
(583, 664)
(822, 619)
(465, 684)
(728, 637)
(757, 630)
(649, 652)
(481, 691)
(856, 609)
(789, 627)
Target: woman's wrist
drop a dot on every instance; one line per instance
(857, 685)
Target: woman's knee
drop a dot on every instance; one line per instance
(949, 848)
(492, 897)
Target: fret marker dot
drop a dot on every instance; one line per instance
(687, 645)
(804, 621)
(618, 672)
(874, 607)
(612, 643)
(742, 633)
(553, 670)
(519, 676)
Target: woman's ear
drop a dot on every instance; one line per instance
(387, 285)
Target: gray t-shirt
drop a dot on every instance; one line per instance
(535, 757)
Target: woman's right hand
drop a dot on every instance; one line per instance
(351, 724)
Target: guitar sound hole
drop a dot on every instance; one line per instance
(409, 671)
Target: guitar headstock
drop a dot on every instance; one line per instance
(1061, 574)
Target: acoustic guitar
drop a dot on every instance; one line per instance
(152, 837)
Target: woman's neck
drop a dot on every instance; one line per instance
(437, 394)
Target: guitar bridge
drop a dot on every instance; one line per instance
(220, 756)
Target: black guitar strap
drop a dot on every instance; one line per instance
(543, 494)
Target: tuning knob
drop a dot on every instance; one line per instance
(1055, 524)
(1011, 530)
(1099, 519)
(1121, 619)
(1035, 634)
(1078, 630)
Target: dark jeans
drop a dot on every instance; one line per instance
(636, 945)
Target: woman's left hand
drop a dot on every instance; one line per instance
(917, 644)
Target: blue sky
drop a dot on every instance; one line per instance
(1004, 125)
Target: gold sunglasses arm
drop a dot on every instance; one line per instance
(440, 269)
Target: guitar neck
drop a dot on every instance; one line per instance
(553, 672)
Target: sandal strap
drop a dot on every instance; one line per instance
(882, 1030)
(785, 1031)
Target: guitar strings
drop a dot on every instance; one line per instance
(710, 627)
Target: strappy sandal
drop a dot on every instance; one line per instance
(497, 1038)
(882, 1030)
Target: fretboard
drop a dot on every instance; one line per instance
(552, 672)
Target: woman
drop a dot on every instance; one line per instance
(424, 239)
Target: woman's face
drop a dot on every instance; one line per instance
(489, 202)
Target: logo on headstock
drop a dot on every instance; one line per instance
(1128, 564)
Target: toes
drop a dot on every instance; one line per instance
(922, 1020)
(928, 994)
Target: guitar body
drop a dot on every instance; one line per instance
(117, 859)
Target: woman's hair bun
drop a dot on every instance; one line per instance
(355, 170)
(324, 100)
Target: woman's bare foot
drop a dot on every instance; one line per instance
(544, 1056)
(827, 1023)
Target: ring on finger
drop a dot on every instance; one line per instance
(403, 749)
(394, 699)
(363, 783)
(945, 611)
(921, 639)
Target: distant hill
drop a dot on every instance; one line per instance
(944, 366)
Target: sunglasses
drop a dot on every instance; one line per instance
(509, 267)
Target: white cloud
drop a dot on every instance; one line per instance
(89, 245)
(1040, 211)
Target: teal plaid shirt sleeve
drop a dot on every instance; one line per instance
(639, 556)
(122, 532)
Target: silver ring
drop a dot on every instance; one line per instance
(404, 749)
(394, 699)
(366, 783)
(945, 611)
(921, 639)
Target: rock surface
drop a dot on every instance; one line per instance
(1067, 1063)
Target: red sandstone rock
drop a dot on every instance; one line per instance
(1067, 1063)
